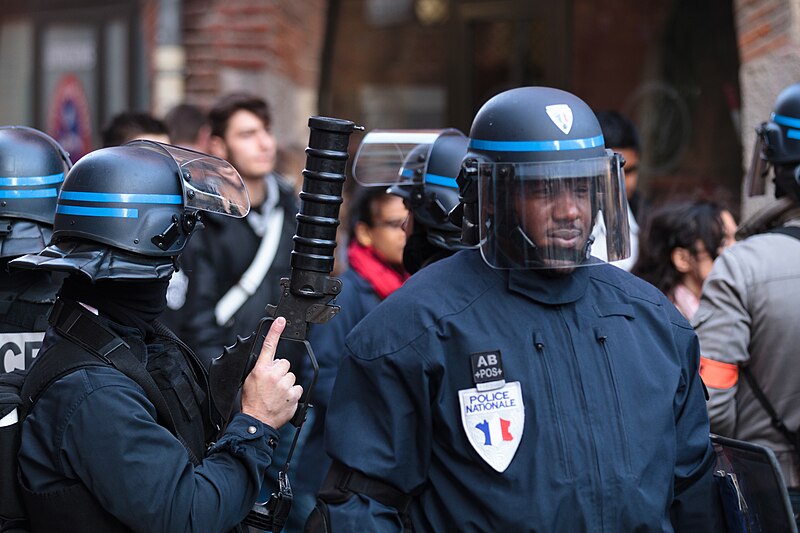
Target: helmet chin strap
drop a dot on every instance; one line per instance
(531, 251)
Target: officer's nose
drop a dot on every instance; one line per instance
(566, 205)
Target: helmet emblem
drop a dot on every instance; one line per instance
(561, 115)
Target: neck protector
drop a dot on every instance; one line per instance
(130, 303)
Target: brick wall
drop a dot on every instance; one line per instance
(268, 47)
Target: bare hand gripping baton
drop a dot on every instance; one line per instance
(305, 295)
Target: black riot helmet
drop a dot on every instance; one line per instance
(428, 185)
(32, 169)
(127, 212)
(778, 146)
(543, 182)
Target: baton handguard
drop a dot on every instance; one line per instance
(305, 296)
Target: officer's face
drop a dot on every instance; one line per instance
(249, 146)
(556, 216)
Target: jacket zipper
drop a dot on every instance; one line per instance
(602, 339)
(551, 397)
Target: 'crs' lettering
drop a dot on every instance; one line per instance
(18, 350)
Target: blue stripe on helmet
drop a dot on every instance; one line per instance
(536, 146)
(122, 198)
(783, 120)
(110, 212)
(793, 134)
(407, 173)
(32, 180)
(28, 193)
(444, 181)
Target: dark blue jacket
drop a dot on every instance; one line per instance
(96, 427)
(327, 340)
(611, 434)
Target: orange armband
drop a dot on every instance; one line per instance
(718, 375)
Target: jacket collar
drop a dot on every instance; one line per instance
(546, 288)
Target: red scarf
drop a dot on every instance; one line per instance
(383, 278)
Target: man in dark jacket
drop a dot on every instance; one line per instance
(232, 269)
(525, 386)
(133, 441)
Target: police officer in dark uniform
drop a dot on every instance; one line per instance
(32, 168)
(133, 441)
(428, 187)
(528, 386)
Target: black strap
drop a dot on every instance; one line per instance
(777, 422)
(47, 370)
(792, 231)
(74, 323)
(343, 480)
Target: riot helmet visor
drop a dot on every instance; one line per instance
(546, 215)
(209, 183)
(757, 174)
(381, 156)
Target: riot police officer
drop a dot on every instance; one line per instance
(428, 187)
(132, 442)
(748, 314)
(32, 168)
(529, 386)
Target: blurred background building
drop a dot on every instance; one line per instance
(696, 77)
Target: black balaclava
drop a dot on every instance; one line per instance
(419, 252)
(130, 303)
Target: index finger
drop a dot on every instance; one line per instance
(270, 345)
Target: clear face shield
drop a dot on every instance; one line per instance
(210, 184)
(547, 215)
(758, 173)
(381, 156)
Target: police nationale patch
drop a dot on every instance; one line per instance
(561, 115)
(494, 421)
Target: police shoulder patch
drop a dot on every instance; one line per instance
(493, 421)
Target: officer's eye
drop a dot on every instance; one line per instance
(539, 188)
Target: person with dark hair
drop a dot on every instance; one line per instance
(678, 248)
(131, 125)
(748, 317)
(188, 126)
(375, 256)
(621, 136)
(232, 270)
